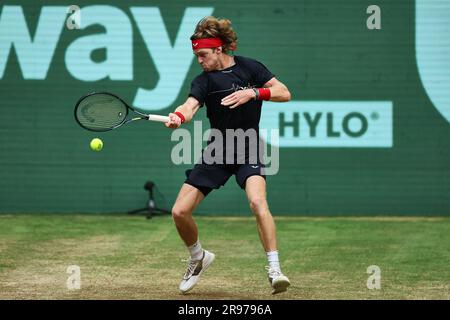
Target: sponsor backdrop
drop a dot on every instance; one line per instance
(367, 130)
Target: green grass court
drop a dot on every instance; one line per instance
(129, 257)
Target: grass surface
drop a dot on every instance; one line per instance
(129, 257)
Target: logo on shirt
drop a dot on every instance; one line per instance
(234, 87)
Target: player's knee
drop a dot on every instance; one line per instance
(258, 205)
(179, 212)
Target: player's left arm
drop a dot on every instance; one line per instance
(278, 93)
(278, 90)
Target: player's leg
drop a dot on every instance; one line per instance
(188, 199)
(200, 181)
(255, 187)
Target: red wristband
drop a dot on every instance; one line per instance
(180, 115)
(264, 94)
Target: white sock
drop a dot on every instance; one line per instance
(272, 257)
(196, 251)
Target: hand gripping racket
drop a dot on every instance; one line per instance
(103, 111)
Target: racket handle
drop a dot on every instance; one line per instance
(155, 117)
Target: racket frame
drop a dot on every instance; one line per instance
(143, 116)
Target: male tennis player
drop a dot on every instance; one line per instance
(232, 88)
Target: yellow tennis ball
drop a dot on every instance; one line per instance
(96, 144)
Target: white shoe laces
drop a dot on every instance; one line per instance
(191, 267)
(273, 272)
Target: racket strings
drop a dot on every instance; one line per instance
(101, 112)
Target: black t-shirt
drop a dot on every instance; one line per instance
(209, 88)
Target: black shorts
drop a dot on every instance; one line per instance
(206, 177)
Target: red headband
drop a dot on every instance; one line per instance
(206, 43)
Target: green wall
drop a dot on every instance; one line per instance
(322, 50)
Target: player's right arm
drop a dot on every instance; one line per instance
(187, 110)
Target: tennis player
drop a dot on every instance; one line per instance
(233, 89)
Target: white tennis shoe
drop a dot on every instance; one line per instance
(278, 281)
(195, 270)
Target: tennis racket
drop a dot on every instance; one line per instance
(103, 111)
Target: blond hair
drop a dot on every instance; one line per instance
(211, 27)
